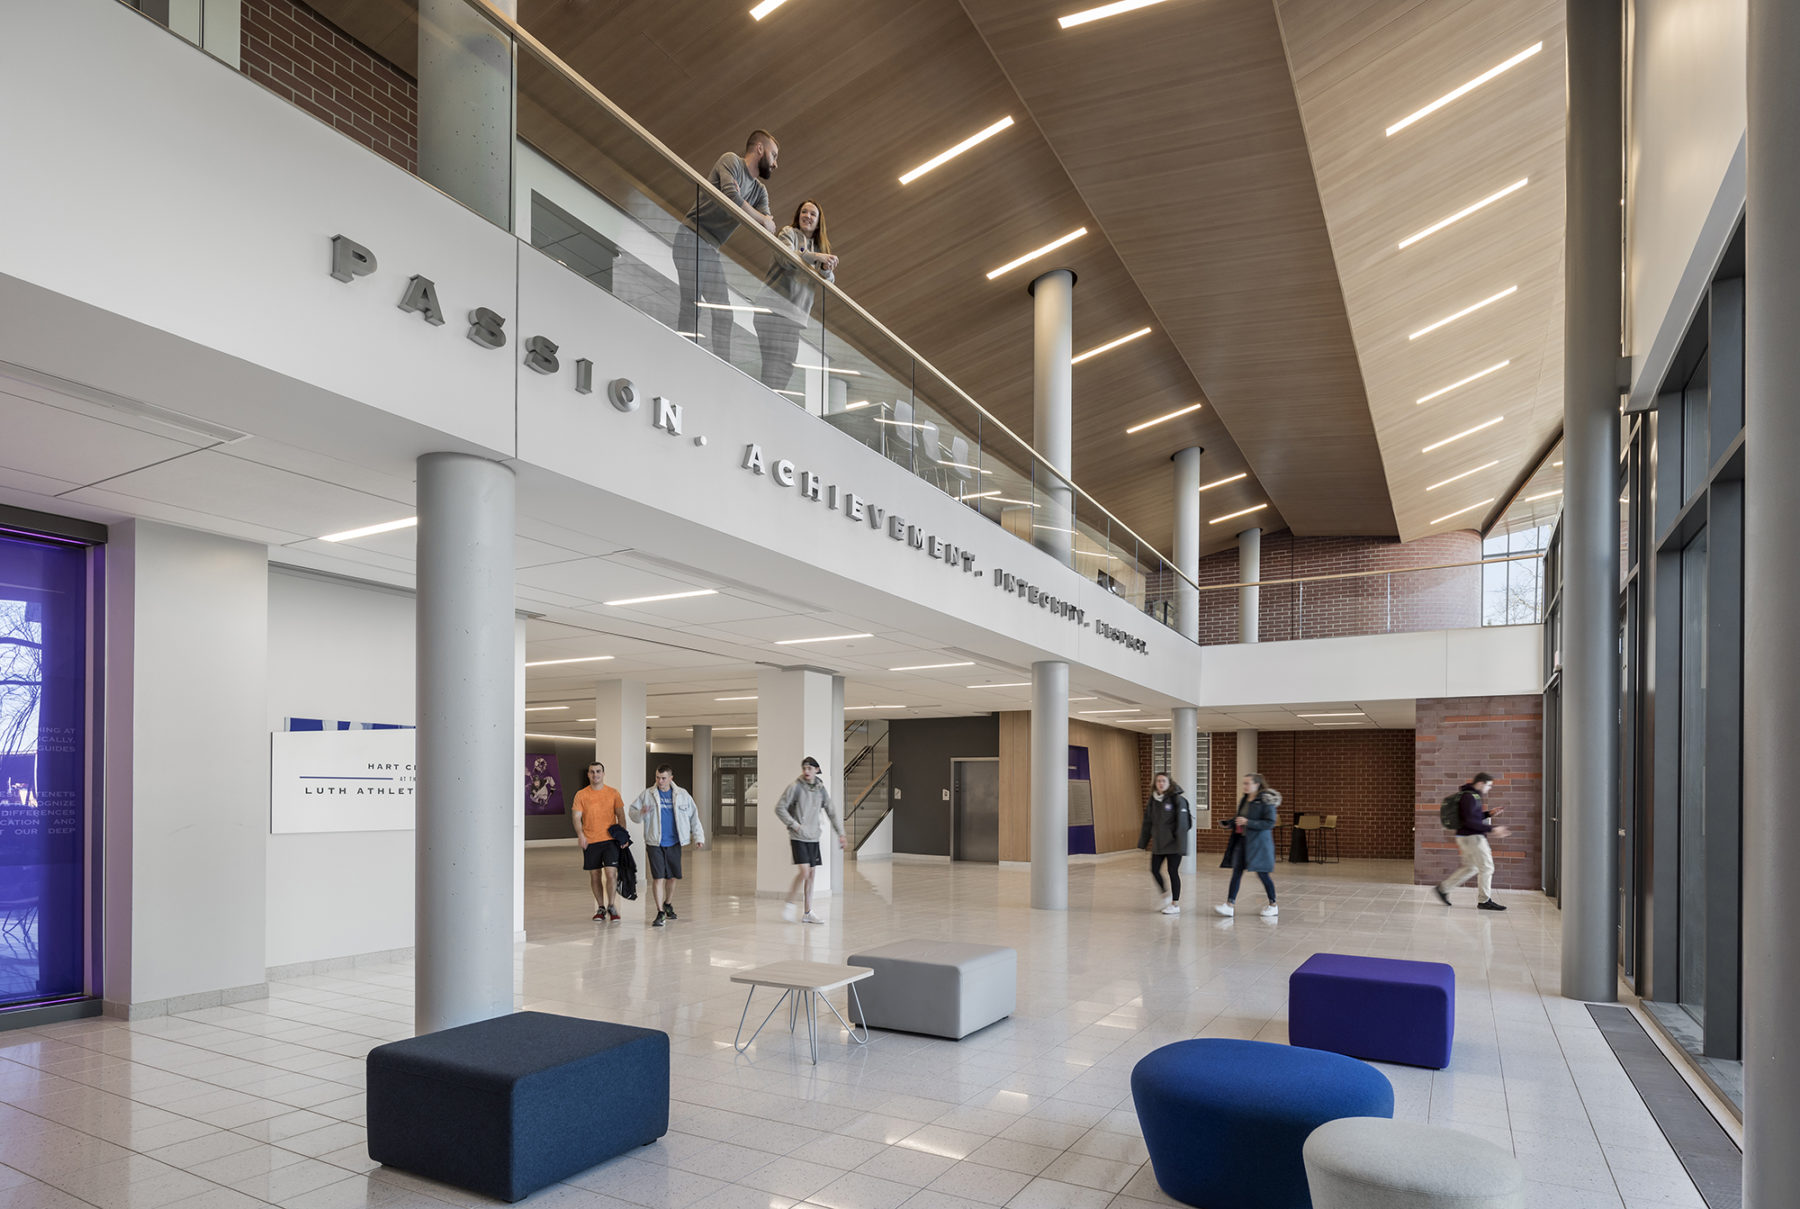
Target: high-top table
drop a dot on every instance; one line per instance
(803, 984)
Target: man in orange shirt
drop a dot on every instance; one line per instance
(596, 809)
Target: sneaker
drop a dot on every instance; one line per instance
(612, 915)
(658, 921)
(1162, 903)
(1443, 894)
(670, 912)
(1226, 909)
(790, 912)
(600, 914)
(1489, 905)
(1172, 909)
(810, 918)
(1270, 910)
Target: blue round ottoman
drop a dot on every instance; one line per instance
(1226, 1121)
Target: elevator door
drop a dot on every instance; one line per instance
(975, 810)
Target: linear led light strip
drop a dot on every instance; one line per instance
(822, 638)
(1478, 374)
(1232, 478)
(1465, 474)
(1463, 213)
(1133, 710)
(1467, 432)
(931, 667)
(1462, 90)
(635, 600)
(848, 708)
(828, 369)
(1096, 14)
(1467, 310)
(1109, 346)
(765, 8)
(944, 157)
(1355, 713)
(1448, 515)
(727, 306)
(1008, 684)
(1192, 407)
(1048, 248)
(582, 659)
(1234, 515)
(537, 709)
(1542, 495)
(751, 697)
(370, 530)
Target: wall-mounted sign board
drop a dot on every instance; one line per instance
(341, 780)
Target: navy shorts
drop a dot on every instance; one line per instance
(806, 852)
(665, 863)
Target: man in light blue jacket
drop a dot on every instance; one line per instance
(670, 820)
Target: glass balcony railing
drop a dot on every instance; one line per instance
(588, 186)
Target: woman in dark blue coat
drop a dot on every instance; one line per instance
(1252, 843)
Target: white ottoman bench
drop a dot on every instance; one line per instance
(1375, 1163)
(942, 988)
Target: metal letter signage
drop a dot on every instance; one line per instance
(350, 259)
(485, 328)
(421, 296)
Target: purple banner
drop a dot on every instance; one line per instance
(543, 783)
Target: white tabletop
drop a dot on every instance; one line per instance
(803, 975)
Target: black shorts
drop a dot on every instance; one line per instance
(600, 854)
(665, 864)
(806, 852)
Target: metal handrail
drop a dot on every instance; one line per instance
(520, 34)
(1307, 579)
(864, 795)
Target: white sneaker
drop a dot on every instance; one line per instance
(810, 918)
(1172, 909)
(1271, 909)
(790, 912)
(1162, 904)
(1226, 909)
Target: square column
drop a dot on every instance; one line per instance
(702, 788)
(794, 719)
(619, 744)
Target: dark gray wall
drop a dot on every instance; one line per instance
(921, 749)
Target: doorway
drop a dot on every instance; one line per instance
(975, 810)
(734, 791)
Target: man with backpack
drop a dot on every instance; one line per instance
(1466, 812)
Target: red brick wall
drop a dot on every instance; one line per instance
(1435, 600)
(1365, 777)
(293, 51)
(1456, 737)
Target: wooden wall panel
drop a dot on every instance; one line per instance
(1112, 767)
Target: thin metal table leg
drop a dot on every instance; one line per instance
(793, 1009)
(848, 1027)
(740, 1048)
(812, 1024)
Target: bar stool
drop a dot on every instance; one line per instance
(1304, 827)
(1328, 841)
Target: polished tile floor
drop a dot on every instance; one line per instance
(261, 1103)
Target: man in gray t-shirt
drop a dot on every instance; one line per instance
(698, 269)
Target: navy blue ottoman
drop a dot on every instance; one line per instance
(1226, 1121)
(506, 1106)
(1377, 1008)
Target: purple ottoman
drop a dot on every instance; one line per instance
(1379, 1009)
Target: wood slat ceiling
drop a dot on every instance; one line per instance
(1358, 67)
(1178, 125)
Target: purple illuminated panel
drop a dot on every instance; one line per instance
(43, 741)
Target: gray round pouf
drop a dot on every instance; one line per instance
(1375, 1163)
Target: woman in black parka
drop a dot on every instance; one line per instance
(1252, 843)
(1167, 820)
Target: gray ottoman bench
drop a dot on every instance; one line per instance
(506, 1106)
(942, 988)
(1375, 1163)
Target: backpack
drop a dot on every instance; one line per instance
(1450, 812)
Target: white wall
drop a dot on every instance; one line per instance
(1684, 129)
(187, 769)
(338, 650)
(1487, 661)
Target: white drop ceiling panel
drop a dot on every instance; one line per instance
(74, 448)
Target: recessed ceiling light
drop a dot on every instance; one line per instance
(1467, 310)
(1355, 713)
(1464, 433)
(370, 530)
(1073, 700)
(943, 157)
(1008, 684)
(1465, 474)
(583, 659)
(1104, 11)
(1463, 213)
(1001, 499)
(1463, 90)
(536, 709)
(1542, 495)
(1460, 511)
(751, 697)
(848, 708)
(1192, 407)
(931, 667)
(1133, 710)
(633, 600)
(765, 8)
(1109, 346)
(728, 306)
(1323, 725)
(1240, 512)
(1048, 248)
(821, 638)
(1480, 373)
(828, 369)
(1231, 478)
(982, 495)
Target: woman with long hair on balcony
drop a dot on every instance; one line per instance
(787, 295)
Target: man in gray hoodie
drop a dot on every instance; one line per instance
(799, 809)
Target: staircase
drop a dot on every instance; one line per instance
(867, 772)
